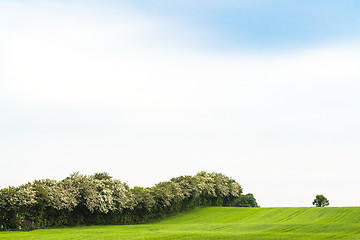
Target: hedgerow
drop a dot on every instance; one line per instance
(100, 199)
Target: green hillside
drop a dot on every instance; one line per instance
(223, 223)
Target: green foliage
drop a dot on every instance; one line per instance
(100, 199)
(221, 223)
(320, 201)
(247, 200)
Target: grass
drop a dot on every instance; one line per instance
(222, 223)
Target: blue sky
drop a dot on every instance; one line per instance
(259, 25)
(264, 92)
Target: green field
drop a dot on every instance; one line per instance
(223, 223)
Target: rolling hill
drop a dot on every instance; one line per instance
(223, 223)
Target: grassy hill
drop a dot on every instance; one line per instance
(223, 223)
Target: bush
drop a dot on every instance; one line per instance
(100, 199)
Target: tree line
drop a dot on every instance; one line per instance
(99, 199)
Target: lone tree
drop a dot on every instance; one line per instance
(320, 201)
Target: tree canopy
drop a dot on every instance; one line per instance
(320, 201)
(100, 199)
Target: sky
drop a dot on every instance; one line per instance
(265, 92)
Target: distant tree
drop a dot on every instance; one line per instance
(320, 201)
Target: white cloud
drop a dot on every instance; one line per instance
(267, 120)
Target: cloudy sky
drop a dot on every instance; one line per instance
(266, 92)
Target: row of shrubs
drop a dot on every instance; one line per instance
(100, 199)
